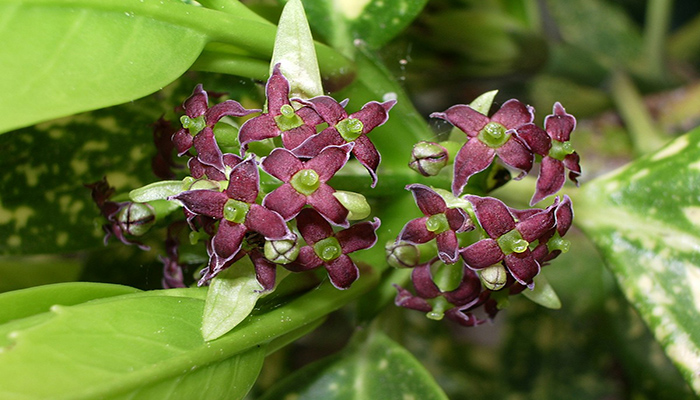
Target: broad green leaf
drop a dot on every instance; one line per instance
(371, 367)
(149, 345)
(374, 22)
(231, 297)
(645, 219)
(294, 51)
(543, 293)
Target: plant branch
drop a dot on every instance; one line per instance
(658, 15)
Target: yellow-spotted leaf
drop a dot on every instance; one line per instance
(645, 219)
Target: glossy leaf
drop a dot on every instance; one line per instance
(371, 367)
(645, 218)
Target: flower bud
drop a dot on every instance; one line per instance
(428, 158)
(281, 251)
(355, 203)
(136, 218)
(402, 254)
(493, 277)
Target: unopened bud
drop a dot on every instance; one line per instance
(402, 254)
(428, 158)
(281, 251)
(356, 204)
(136, 218)
(494, 277)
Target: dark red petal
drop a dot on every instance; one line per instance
(197, 103)
(228, 239)
(330, 110)
(516, 154)
(259, 128)
(404, 298)
(360, 236)
(523, 267)
(306, 260)
(244, 181)
(473, 157)
(367, 155)
(468, 290)
(203, 202)
(292, 138)
(329, 161)
(513, 114)
(327, 205)
(482, 254)
(312, 226)
(415, 232)
(465, 118)
(427, 200)
(265, 270)
(227, 108)
(536, 138)
(182, 140)
(571, 162)
(459, 220)
(551, 179)
(423, 283)
(559, 124)
(342, 271)
(564, 216)
(536, 225)
(493, 215)
(309, 116)
(199, 170)
(285, 200)
(267, 223)
(312, 146)
(208, 151)
(231, 160)
(277, 91)
(448, 246)
(373, 114)
(281, 164)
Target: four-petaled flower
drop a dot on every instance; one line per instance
(488, 137)
(237, 212)
(440, 222)
(508, 241)
(557, 153)
(305, 183)
(281, 117)
(324, 247)
(344, 128)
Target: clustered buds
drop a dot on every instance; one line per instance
(514, 244)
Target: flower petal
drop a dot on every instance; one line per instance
(459, 220)
(415, 231)
(285, 200)
(559, 124)
(551, 179)
(277, 91)
(208, 151)
(227, 108)
(228, 239)
(473, 157)
(427, 200)
(468, 290)
(203, 202)
(306, 260)
(329, 109)
(342, 271)
(535, 137)
(368, 156)
(564, 215)
(244, 181)
(513, 114)
(373, 114)
(571, 162)
(448, 246)
(196, 105)
(329, 161)
(312, 226)
(482, 254)
(423, 283)
(292, 138)
(404, 298)
(327, 205)
(259, 128)
(182, 140)
(536, 225)
(523, 267)
(516, 154)
(360, 236)
(267, 223)
(465, 118)
(493, 215)
(312, 146)
(281, 164)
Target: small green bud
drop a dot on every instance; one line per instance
(493, 277)
(136, 218)
(355, 203)
(428, 158)
(281, 251)
(402, 254)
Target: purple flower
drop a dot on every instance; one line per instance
(488, 137)
(281, 118)
(265, 270)
(344, 128)
(324, 247)
(237, 212)
(554, 146)
(198, 123)
(305, 183)
(468, 296)
(551, 243)
(508, 241)
(440, 222)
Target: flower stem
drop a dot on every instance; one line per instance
(656, 27)
(646, 136)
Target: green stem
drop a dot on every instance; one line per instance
(683, 43)
(242, 66)
(646, 136)
(658, 16)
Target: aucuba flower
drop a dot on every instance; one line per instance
(305, 183)
(265, 270)
(344, 128)
(198, 126)
(281, 117)
(552, 242)
(440, 222)
(507, 240)
(553, 144)
(488, 137)
(237, 212)
(457, 304)
(330, 249)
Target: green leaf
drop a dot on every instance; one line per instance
(645, 219)
(294, 50)
(483, 103)
(24, 272)
(371, 367)
(543, 293)
(61, 58)
(231, 297)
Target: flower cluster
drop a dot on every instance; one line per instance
(462, 274)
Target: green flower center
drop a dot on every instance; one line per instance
(512, 242)
(437, 223)
(236, 211)
(328, 249)
(560, 150)
(350, 128)
(193, 125)
(288, 119)
(494, 135)
(558, 243)
(305, 181)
